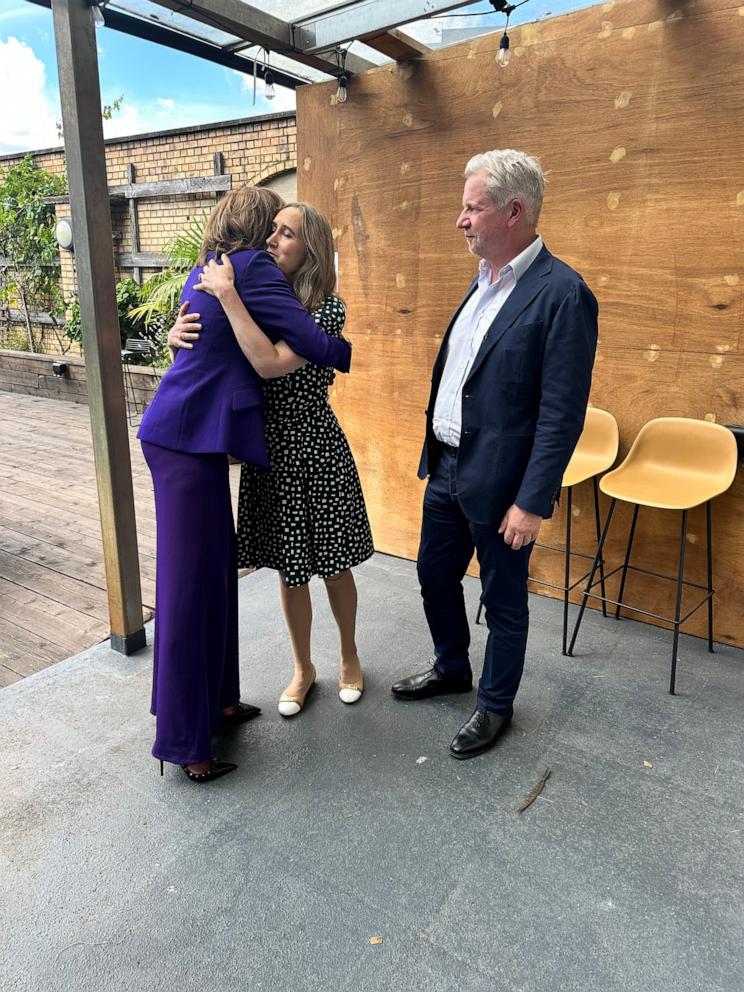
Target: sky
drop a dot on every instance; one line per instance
(161, 88)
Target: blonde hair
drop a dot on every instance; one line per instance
(316, 277)
(242, 219)
(508, 174)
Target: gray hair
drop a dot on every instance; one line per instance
(510, 174)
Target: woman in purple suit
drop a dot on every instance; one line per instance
(209, 405)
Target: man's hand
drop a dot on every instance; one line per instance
(184, 330)
(519, 527)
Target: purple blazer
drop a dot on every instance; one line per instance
(211, 398)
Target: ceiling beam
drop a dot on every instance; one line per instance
(396, 45)
(265, 30)
(362, 19)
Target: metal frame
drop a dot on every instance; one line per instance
(566, 587)
(677, 620)
(362, 19)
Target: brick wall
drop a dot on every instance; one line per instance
(254, 150)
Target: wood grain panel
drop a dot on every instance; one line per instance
(638, 123)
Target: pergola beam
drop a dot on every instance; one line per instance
(362, 19)
(80, 95)
(396, 45)
(262, 29)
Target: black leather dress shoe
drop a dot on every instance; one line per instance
(429, 683)
(479, 734)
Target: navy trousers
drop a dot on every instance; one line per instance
(195, 672)
(448, 540)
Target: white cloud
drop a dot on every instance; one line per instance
(28, 118)
(127, 121)
(166, 103)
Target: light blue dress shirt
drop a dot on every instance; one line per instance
(466, 337)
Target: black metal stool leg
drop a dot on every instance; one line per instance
(709, 528)
(567, 567)
(678, 606)
(598, 528)
(595, 565)
(627, 560)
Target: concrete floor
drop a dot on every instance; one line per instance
(350, 823)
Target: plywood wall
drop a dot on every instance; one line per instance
(636, 110)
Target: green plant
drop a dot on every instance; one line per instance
(31, 272)
(160, 295)
(128, 299)
(14, 339)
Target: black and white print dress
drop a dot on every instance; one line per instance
(305, 515)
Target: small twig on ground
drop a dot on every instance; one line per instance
(534, 791)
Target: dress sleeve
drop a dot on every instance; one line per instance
(331, 315)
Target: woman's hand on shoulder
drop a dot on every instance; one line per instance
(217, 277)
(184, 330)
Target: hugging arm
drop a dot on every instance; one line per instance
(277, 311)
(270, 360)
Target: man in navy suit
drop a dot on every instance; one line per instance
(509, 393)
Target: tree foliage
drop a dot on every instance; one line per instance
(27, 243)
(128, 296)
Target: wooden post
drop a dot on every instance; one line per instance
(134, 222)
(80, 94)
(218, 167)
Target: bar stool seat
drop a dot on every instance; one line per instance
(675, 463)
(595, 452)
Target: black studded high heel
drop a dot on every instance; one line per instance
(216, 770)
(243, 713)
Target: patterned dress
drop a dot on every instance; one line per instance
(305, 515)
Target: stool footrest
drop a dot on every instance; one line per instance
(648, 613)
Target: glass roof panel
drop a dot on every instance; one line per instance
(481, 18)
(177, 22)
(295, 10)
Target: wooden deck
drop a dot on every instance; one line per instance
(52, 589)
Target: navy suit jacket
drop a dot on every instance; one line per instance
(211, 398)
(524, 401)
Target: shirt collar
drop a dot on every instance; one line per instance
(518, 265)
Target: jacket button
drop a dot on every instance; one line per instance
(466, 396)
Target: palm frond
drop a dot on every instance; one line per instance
(161, 293)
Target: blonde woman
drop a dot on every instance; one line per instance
(305, 516)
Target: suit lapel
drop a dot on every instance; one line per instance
(439, 363)
(529, 286)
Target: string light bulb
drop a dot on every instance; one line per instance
(269, 89)
(341, 92)
(503, 57)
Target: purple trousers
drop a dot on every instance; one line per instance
(195, 672)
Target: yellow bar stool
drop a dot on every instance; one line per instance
(595, 452)
(674, 464)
